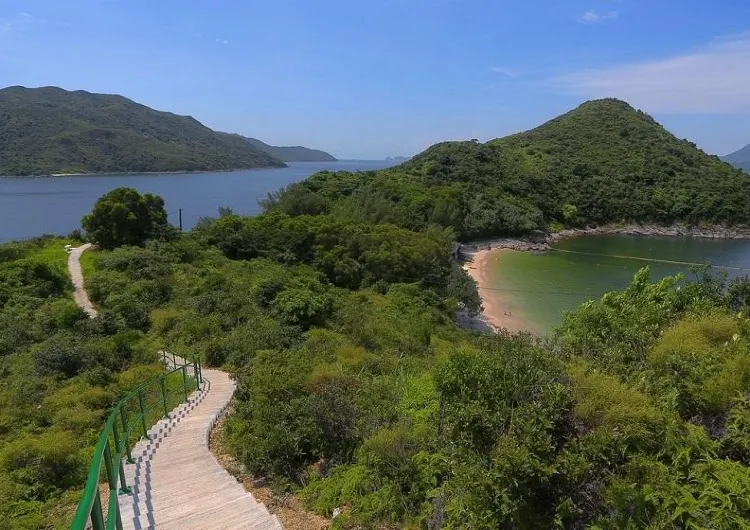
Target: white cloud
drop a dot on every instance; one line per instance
(711, 80)
(222, 41)
(22, 22)
(594, 17)
(504, 71)
(17, 22)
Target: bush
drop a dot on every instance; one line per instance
(303, 301)
(603, 402)
(59, 356)
(215, 354)
(44, 463)
(701, 359)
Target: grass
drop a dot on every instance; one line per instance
(52, 251)
(88, 263)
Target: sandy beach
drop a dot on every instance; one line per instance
(498, 312)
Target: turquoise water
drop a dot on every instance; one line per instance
(32, 206)
(541, 287)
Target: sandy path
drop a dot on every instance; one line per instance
(76, 275)
(498, 311)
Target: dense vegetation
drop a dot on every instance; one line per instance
(50, 130)
(357, 390)
(293, 153)
(603, 162)
(739, 159)
(59, 373)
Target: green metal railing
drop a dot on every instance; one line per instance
(128, 421)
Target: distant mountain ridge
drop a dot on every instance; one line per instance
(293, 153)
(739, 159)
(50, 130)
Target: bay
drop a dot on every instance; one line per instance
(541, 287)
(32, 206)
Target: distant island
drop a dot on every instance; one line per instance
(50, 131)
(293, 153)
(739, 159)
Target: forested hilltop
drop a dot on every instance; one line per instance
(50, 130)
(358, 392)
(603, 162)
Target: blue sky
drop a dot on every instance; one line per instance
(390, 77)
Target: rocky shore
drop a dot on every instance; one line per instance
(715, 232)
(541, 242)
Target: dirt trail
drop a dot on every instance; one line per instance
(76, 275)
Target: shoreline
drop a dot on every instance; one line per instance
(497, 312)
(176, 172)
(542, 242)
(124, 173)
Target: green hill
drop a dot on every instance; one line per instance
(50, 130)
(603, 162)
(739, 159)
(293, 153)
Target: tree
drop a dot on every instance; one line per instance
(125, 217)
(570, 213)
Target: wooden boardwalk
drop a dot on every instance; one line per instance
(176, 482)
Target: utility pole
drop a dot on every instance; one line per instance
(180, 219)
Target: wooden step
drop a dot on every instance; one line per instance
(176, 481)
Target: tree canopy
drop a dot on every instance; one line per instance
(125, 217)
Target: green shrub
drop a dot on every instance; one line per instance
(693, 338)
(44, 463)
(60, 356)
(603, 402)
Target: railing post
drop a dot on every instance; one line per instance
(118, 519)
(111, 478)
(184, 381)
(163, 387)
(126, 438)
(200, 371)
(121, 469)
(143, 415)
(195, 372)
(97, 516)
